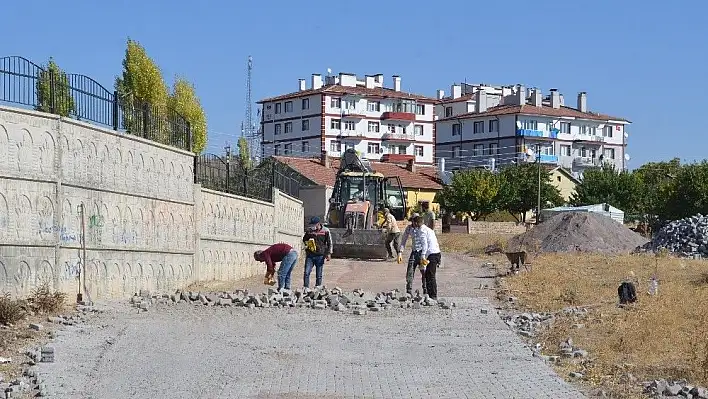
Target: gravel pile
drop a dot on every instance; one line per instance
(358, 301)
(664, 389)
(685, 237)
(577, 232)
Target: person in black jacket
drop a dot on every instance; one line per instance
(318, 242)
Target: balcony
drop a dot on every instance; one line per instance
(398, 116)
(352, 134)
(585, 161)
(353, 113)
(543, 158)
(398, 136)
(537, 133)
(591, 139)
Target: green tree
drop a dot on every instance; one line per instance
(605, 184)
(53, 84)
(473, 191)
(519, 192)
(185, 102)
(658, 185)
(141, 89)
(244, 153)
(689, 195)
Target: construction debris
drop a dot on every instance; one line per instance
(685, 237)
(357, 301)
(577, 232)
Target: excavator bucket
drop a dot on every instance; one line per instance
(358, 243)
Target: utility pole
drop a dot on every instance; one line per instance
(538, 201)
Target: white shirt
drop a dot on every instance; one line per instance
(416, 237)
(429, 242)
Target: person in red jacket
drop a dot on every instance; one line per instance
(283, 253)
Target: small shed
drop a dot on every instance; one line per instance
(604, 209)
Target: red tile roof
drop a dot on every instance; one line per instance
(510, 109)
(425, 177)
(358, 90)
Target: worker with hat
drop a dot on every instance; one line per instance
(318, 248)
(393, 233)
(416, 253)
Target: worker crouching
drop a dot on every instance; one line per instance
(283, 253)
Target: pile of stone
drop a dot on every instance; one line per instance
(527, 324)
(664, 389)
(358, 301)
(685, 237)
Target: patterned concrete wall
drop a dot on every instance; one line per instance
(141, 212)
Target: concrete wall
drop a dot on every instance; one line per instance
(316, 201)
(144, 218)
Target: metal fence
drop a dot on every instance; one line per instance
(44, 89)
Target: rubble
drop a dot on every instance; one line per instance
(357, 301)
(685, 237)
(668, 389)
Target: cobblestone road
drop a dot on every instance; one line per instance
(198, 352)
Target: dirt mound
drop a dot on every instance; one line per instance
(577, 231)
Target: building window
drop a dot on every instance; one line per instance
(335, 146)
(349, 104)
(278, 107)
(478, 127)
(392, 128)
(374, 127)
(456, 151)
(305, 103)
(335, 124)
(565, 150)
(288, 106)
(305, 148)
(592, 130)
(374, 106)
(609, 153)
(288, 127)
(373, 148)
(565, 127)
(456, 129)
(349, 125)
(448, 112)
(278, 128)
(493, 149)
(530, 124)
(493, 125)
(478, 150)
(607, 131)
(419, 151)
(305, 125)
(288, 149)
(402, 149)
(276, 149)
(420, 109)
(403, 129)
(335, 102)
(418, 130)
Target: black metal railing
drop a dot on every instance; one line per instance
(227, 175)
(286, 184)
(77, 96)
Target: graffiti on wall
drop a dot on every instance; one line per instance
(65, 235)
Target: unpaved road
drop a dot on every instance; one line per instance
(186, 351)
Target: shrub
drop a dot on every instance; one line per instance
(11, 311)
(43, 300)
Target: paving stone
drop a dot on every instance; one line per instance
(36, 326)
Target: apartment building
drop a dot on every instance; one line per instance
(490, 126)
(341, 112)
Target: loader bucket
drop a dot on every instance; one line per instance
(358, 244)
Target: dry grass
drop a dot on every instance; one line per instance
(664, 336)
(472, 244)
(43, 300)
(11, 310)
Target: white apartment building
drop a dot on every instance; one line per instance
(383, 124)
(490, 126)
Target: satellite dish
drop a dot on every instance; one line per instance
(329, 71)
(529, 152)
(626, 135)
(627, 157)
(518, 124)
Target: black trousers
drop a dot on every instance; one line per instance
(430, 282)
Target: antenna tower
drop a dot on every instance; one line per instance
(248, 127)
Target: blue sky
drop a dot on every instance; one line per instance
(642, 60)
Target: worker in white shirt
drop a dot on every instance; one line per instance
(393, 233)
(414, 258)
(430, 256)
